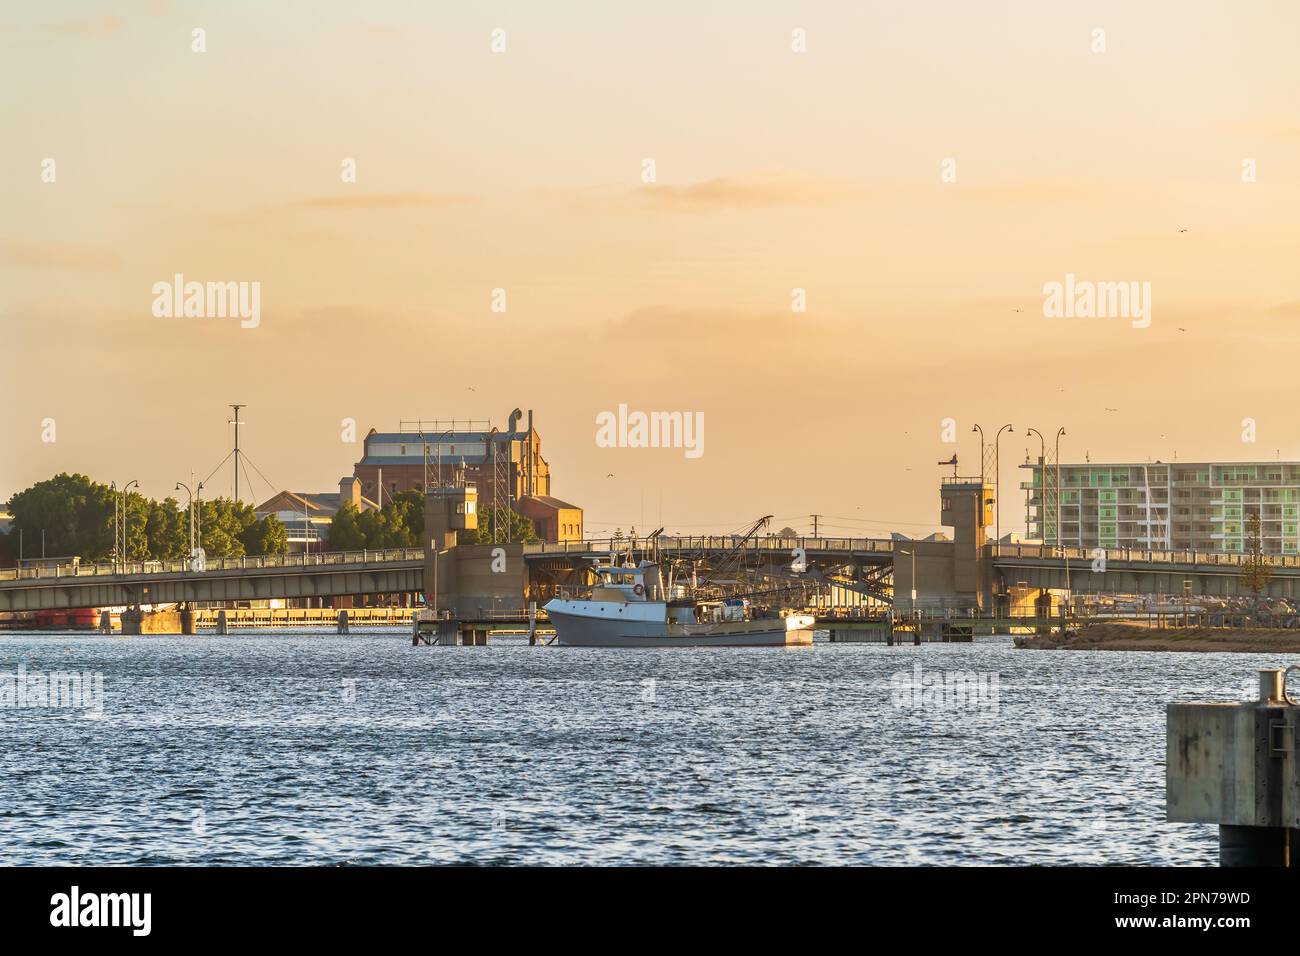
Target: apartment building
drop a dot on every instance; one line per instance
(1202, 506)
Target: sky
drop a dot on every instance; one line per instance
(920, 171)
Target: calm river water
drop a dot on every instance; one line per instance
(311, 749)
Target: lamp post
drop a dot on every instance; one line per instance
(912, 553)
(125, 490)
(997, 485)
(198, 517)
(112, 486)
(1042, 474)
(1069, 591)
(435, 579)
(189, 507)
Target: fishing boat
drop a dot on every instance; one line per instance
(629, 607)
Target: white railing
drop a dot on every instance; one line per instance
(1086, 555)
(76, 569)
(714, 543)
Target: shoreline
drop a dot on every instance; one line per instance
(1137, 637)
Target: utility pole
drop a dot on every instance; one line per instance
(815, 519)
(236, 422)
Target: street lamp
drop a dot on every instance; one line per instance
(1042, 474)
(912, 554)
(981, 431)
(997, 482)
(1060, 530)
(189, 506)
(112, 486)
(125, 490)
(435, 579)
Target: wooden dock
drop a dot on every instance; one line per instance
(208, 618)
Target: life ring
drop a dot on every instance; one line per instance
(638, 589)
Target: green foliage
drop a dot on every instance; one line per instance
(1255, 569)
(75, 513)
(399, 524)
(77, 517)
(514, 527)
(344, 533)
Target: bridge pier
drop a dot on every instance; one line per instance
(1236, 765)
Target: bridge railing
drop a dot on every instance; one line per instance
(715, 543)
(76, 569)
(1087, 555)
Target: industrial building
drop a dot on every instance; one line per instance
(1165, 506)
(306, 516)
(505, 465)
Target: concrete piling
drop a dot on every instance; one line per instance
(343, 622)
(1236, 765)
(105, 622)
(222, 627)
(448, 632)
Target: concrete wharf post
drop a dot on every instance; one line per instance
(1236, 765)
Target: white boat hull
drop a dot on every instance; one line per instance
(577, 627)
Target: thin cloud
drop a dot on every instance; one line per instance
(1286, 310)
(382, 201)
(64, 256)
(85, 26)
(1025, 191)
(748, 191)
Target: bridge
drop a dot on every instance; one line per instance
(868, 567)
(402, 571)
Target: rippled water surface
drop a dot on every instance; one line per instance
(313, 749)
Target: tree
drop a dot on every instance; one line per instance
(513, 525)
(344, 533)
(77, 517)
(74, 513)
(1255, 569)
(265, 536)
(167, 529)
(398, 524)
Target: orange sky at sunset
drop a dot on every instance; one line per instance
(775, 170)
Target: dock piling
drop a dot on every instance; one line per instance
(1235, 764)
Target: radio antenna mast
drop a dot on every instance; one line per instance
(236, 422)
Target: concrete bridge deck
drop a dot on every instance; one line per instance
(337, 574)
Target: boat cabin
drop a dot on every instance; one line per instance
(628, 584)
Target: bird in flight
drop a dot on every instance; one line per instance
(1182, 230)
(610, 475)
(1112, 409)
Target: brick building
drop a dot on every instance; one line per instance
(505, 464)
